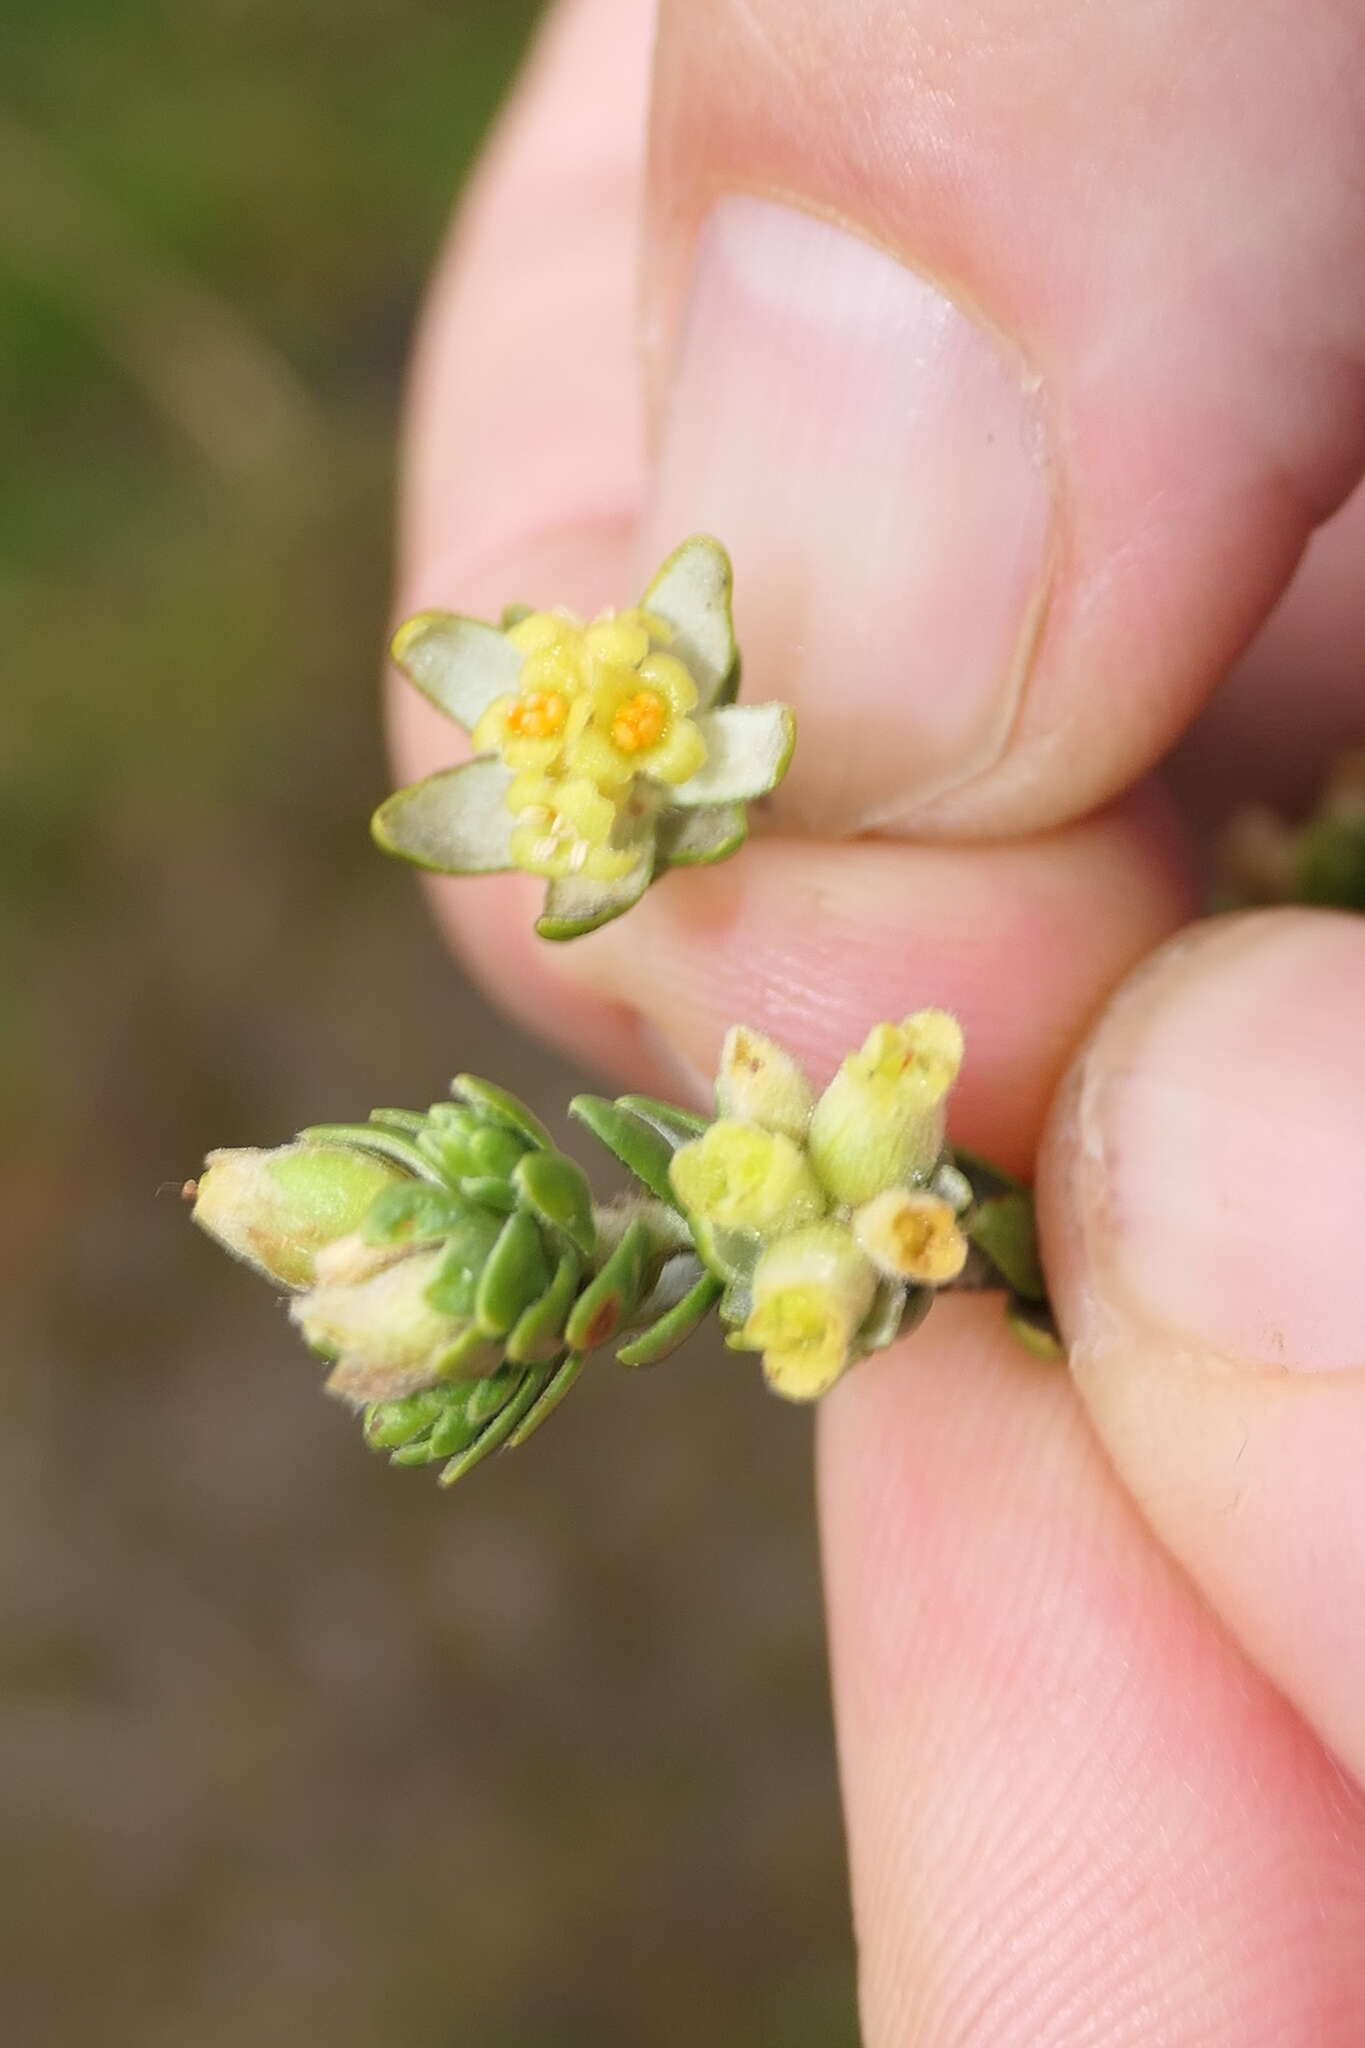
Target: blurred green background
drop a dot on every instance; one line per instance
(293, 1747)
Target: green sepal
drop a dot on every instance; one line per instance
(1004, 1228)
(608, 1299)
(748, 749)
(376, 1138)
(736, 1307)
(499, 1429)
(453, 1290)
(411, 1212)
(503, 1108)
(641, 1148)
(538, 1333)
(547, 1400)
(676, 1324)
(515, 1274)
(455, 822)
(691, 594)
(689, 839)
(884, 1321)
(576, 905)
(461, 664)
(1033, 1324)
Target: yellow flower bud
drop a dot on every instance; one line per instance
(278, 1210)
(760, 1083)
(811, 1291)
(742, 1177)
(909, 1235)
(880, 1122)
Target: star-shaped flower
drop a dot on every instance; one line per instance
(605, 752)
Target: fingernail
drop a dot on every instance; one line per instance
(874, 460)
(1222, 1145)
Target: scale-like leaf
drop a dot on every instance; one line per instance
(609, 1298)
(502, 1107)
(456, 822)
(748, 747)
(461, 664)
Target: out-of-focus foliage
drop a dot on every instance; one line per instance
(290, 1751)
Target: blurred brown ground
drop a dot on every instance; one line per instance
(293, 1747)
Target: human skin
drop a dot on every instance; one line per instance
(1019, 354)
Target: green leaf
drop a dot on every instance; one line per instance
(515, 1274)
(1005, 1229)
(499, 1430)
(641, 1149)
(606, 1302)
(470, 1357)
(691, 593)
(693, 839)
(679, 1126)
(538, 1333)
(490, 1192)
(461, 664)
(576, 905)
(500, 1106)
(1032, 1323)
(454, 823)
(391, 1423)
(670, 1329)
(545, 1403)
(456, 1283)
(410, 1120)
(411, 1212)
(386, 1144)
(557, 1190)
(748, 747)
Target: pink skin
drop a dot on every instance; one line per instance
(1091, 1791)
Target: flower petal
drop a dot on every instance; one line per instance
(455, 822)
(748, 747)
(691, 594)
(461, 664)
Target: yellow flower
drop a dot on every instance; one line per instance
(880, 1121)
(637, 722)
(911, 1235)
(811, 1290)
(564, 827)
(745, 1178)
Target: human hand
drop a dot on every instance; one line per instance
(1012, 463)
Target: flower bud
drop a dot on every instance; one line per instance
(912, 1236)
(386, 1337)
(277, 1210)
(760, 1083)
(745, 1178)
(880, 1122)
(811, 1290)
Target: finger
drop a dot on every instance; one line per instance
(1014, 360)
(1075, 1814)
(1202, 1208)
(812, 943)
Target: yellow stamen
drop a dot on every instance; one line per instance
(538, 715)
(639, 722)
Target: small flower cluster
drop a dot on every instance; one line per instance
(605, 752)
(830, 1222)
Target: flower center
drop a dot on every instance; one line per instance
(639, 722)
(538, 715)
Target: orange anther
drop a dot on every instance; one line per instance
(639, 722)
(539, 715)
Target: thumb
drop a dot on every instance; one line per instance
(1014, 351)
(1202, 1199)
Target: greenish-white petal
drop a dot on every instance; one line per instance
(576, 905)
(748, 747)
(712, 832)
(461, 664)
(455, 822)
(691, 593)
